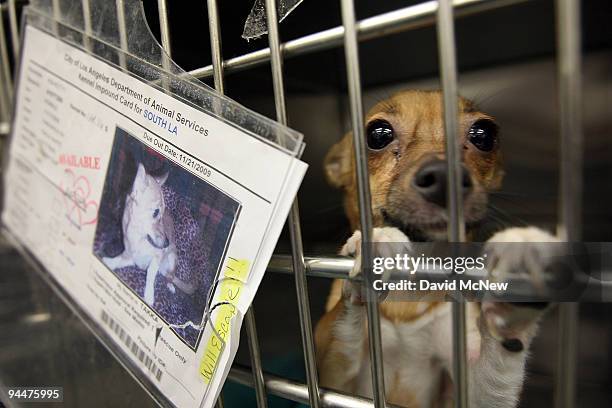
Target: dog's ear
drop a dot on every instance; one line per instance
(338, 163)
(162, 179)
(141, 178)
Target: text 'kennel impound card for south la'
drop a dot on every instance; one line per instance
(155, 218)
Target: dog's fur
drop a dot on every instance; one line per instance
(417, 349)
(148, 235)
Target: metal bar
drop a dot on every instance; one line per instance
(298, 392)
(57, 14)
(215, 45)
(5, 68)
(123, 40)
(14, 25)
(4, 117)
(164, 26)
(448, 73)
(4, 99)
(4, 111)
(256, 366)
(297, 250)
(351, 50)
(276, 62)
(460, 371)
(456, 224)
(407, 18)
(319, 267)
(565, 380)
(87, 24)
(5, 128)
(219, 403)
(570, 105)
(164, 29)
(570, 191)
(251, 327)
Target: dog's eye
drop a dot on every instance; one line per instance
(483, 135)
(156, 213)
(380, 134)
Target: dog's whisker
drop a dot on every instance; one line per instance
(516, 194)
(507, 215)
(482, 96)
(498, 193)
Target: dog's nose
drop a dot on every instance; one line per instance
(430, 182)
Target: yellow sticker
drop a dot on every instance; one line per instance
(228, 295)
(237, 269)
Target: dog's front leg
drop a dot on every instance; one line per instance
(149, 290)
(497, 370)
(341, 334)
(340, 340)
(120, 261)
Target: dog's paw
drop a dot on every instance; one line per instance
(352, 248)
(117, 262)
(351, 290)
(384, 241)
(521, 253)
(149, 299)
(110, 262)
(518, 253)
(171, 287)
(512, 324)
(149, 295)
(387, 242)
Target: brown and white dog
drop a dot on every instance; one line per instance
(405, 138)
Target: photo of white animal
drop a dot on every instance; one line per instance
(163, 232)
(148, 235)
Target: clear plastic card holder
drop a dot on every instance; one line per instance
(103, 336)
(213, 352)
(215, 335)
(116, 33)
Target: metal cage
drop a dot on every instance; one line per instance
(442, 14)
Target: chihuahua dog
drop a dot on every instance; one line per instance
(148, 235)
(408, 179)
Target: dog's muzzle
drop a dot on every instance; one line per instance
(152, 242)
(430, 182)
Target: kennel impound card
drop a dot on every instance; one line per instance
(157, 219)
